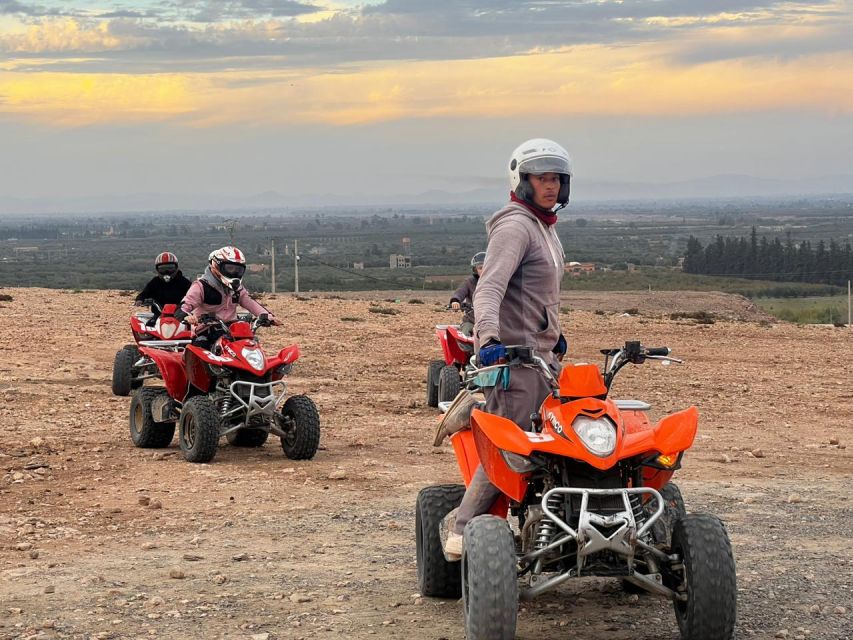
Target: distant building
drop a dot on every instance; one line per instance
(358, 266)
(576, 269)
(258, 268)
(397, 261)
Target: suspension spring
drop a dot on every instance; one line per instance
(546, 528)
(637, 509)
(226, 406)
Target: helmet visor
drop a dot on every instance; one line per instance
(167, 269)
(232, 269)
(545, 164)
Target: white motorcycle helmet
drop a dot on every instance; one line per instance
(228, 264)
(538, 156)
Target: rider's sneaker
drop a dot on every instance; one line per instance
(453, 546)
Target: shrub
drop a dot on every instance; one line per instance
(632, 311)
(351, 319)
(384, 311)
(5, 297)
(416, 301)
(701, 317)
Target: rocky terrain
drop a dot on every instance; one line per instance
(99, 539)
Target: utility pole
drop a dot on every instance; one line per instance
(295, 266)
(272, 266)
(849, 323)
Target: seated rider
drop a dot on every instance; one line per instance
(219, 291)
(465, 294)
(169, 286)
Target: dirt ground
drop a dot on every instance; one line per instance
(256, 546)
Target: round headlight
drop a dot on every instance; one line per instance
(599, 436)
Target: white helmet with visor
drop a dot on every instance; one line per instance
(535, 157)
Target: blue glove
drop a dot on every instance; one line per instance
(561, 347)
(491, 354)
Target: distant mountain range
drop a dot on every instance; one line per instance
(722, 187)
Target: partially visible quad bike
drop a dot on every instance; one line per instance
(234, 389)
(446, 377)
(130, 367)
(590, 486)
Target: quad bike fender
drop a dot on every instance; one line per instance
(288, 355)
(198, 374)
(670, 436)
(466, 456)
(171, 367)
(455, 340)
(492, 434)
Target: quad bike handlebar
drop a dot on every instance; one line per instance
(210, 319)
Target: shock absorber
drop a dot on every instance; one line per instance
(226, 406)
(546, 527)
(637, 509)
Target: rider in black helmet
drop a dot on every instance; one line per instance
(465, 294)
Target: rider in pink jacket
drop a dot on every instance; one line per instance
(219, 291)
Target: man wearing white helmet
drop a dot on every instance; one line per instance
(518, 299)
(219, 291)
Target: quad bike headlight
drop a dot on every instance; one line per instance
(599, 436)
(255, 357)
(518, 462)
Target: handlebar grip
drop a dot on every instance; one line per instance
(658, 351)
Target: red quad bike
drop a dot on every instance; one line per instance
(233, 390)
(130, 367)
(590, 488)
(445, 377)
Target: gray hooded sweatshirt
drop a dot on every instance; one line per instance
(517, 300)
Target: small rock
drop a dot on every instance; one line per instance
(177, 573)
(782, 633)
(34, 554)
(148, 546)
(300, 597)
(23, 546)
(261, 636)
(156, 601)
(840, 610)
(757, 453)
(192, 557)
(144, 500)
(50, 589)
(834, 441)
(339, 474)
(633, 598)
(725, 459)
(814, 609)
(219, 579)
(240, 557)
(155, 504)
(795, 498)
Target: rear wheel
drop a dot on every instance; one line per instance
(145, 432)
(199, 429)
(435, 367)
(247, 438)
(300, 420)
(709, 579)
(123, 382)
(448, 384)
(437, 577)
(489, 580)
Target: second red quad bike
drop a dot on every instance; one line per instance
(590, 488)
(130, 367)
(445, 377)
(232, 389)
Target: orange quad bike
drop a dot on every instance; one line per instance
(590, 487)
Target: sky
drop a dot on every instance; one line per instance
(318, 97)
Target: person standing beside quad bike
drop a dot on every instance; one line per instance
(518, 300)
(169, 286)
(217, 293)
(464, 295)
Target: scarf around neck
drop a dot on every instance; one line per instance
(545, 216)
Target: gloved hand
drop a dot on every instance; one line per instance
(561, 347)
(454, 304)
(492, 353)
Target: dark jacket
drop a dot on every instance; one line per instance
(465, 293)
(518, 296)
(163, 292)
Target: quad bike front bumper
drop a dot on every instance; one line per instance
(256, 400)
(616, 531)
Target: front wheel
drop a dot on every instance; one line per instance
(437, 578)
(448, 384)
(199, 429)
(435, 367)
(300, 421)
(709, 579)
(489, 580)
(123, 365)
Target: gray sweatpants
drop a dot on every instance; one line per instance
(527, 389)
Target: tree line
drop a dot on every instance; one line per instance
(761, 258)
